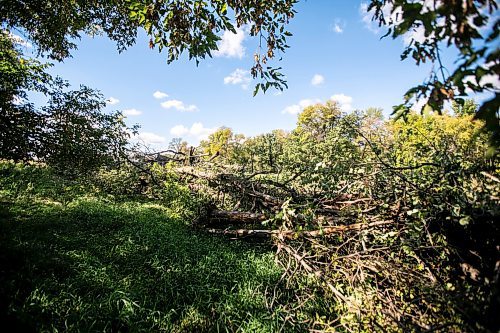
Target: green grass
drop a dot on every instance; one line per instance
(97, 265)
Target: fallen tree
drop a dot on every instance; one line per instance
(375, 234)
(296, 234)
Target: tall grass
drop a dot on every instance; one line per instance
(87, 263)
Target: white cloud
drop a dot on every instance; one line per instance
(344, 101)
(337, 28)
(417, 34)
(239, 76)
(292, 109)
(492, 79)
(150, 138)
(341, 99)
(317, 79)
(297, 108)
(392, 17)
(112, 101)
(419, 104)
(179, 130)
(366, 17)
(231, 45)
(159, 95)
(20, 40)
(179, 105)
(132, 112)
(197, 131)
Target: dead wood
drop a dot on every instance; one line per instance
(293, 234)
(234, 216)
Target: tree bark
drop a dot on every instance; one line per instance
(292, 234)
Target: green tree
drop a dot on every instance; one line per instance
(319, 153)
(71, 132)
(316, 120)
(263, 152)
(78, 137)
(54, 25)
(469, 107)
(20, 124)
(194, 26)
(471, 28)
(219, 142)
(191, 26)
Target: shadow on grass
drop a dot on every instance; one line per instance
(96, 266)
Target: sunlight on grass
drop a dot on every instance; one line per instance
(91, 265)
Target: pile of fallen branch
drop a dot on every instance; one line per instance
(372, 264)
(252, 202)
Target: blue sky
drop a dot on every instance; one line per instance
(335, 53)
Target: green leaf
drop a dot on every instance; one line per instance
(256, 90)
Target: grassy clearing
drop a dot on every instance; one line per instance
(95, 265)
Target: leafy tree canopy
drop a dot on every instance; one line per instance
(219, 141)
(71, 132)
(194, 26)
(469, 26)
(191, 26)
(317, 119)
(53, 25)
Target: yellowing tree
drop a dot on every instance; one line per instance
(316, 120)
(218, 142)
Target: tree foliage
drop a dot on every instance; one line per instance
(191, 26)
(392, 223)
(194, 26)
(219, 142)
(471, 28)
(54, 25)
(19, 120)
(71, 132)
(78, 137)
